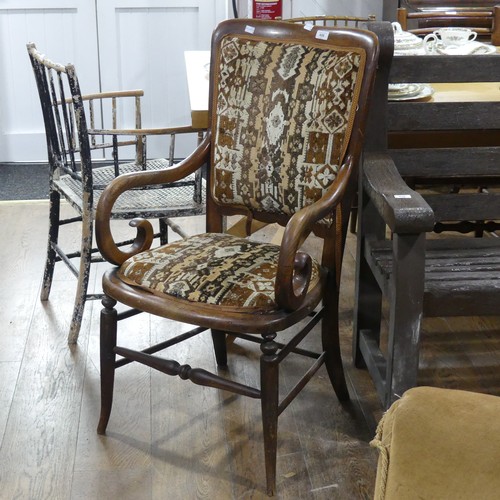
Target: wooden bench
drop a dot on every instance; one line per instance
(435, 184)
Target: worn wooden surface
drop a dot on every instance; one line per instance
(418, 187)
(159, 444)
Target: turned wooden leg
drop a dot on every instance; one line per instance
(220, 348)
(107, 344)
(54, 214)
(269, 371)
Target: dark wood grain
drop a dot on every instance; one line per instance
(408, 191)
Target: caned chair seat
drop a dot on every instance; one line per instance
(177, 199)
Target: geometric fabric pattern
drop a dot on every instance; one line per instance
(212, 268)
(282, 119)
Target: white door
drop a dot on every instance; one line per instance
(142, 44)
(64, 30)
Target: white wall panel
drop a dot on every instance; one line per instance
(299, 8)
(359, 8)
(65, 32)
(144, 46)
(141, 45)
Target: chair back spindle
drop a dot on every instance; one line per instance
(327, 20)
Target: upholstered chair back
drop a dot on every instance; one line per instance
(282, 116)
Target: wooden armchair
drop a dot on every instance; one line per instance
(486, 22)
(287, 113)
(403, 254)
(78, 172)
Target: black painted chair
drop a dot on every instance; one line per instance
(74, 139)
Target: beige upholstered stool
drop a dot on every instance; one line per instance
(439, 444)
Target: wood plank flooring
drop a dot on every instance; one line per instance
(169, 439)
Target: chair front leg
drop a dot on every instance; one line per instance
(83, 276)
(107, 344)
(405, 316)
(269, 381)
(54, 216)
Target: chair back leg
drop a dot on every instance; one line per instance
(220, 348)
(331, 342)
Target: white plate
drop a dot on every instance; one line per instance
(472, 48)
(425, 92)
(404, 89)
(410, 52)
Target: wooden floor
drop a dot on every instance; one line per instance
(169, 439)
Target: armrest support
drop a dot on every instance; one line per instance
(294, 268)
(403, 209)
(112, 94)
(126, 182)
(138, 139)
(109, 95)
(146, 131)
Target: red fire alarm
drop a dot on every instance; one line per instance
(267, 9)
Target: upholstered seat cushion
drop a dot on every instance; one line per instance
(210, 268)
(439, 444)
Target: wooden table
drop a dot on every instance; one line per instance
(466, 92)
(197, 65)
(197, 69)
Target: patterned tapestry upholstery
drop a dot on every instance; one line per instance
(282, 119)
(210, 268)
